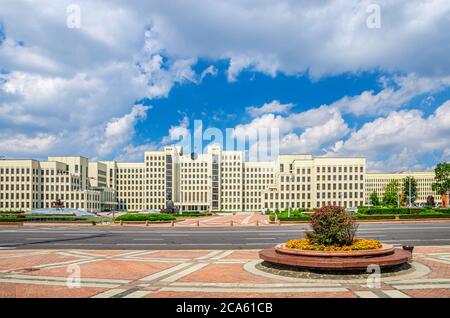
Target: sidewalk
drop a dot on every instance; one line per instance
(209, 221)
(198, 273)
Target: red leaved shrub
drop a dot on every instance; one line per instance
(332, 225)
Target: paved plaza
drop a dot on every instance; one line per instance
(199, 273)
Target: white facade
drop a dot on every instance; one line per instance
(216, 180)
(377, 181)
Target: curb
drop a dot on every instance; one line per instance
(373, 221)
(11, 223)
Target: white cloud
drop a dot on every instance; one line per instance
(274, 107)
(295, 37)
(131, 153)
(22, 145)
(314, 139)
(305, 132)
(392, 96)
(120, 131)
(177, 132)
(402, 136)
(69, 90)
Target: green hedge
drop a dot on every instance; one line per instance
(426, 216)
(10, 219)
(194, 213)
(295, 216)
(362, 217)
(145, 217)
(375, 217)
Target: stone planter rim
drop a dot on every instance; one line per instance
(384, 249)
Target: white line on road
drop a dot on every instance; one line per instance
(260, 238)
(140, 244)
(40, 238)
(148, 239)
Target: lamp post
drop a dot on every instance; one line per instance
(291, 178)
(398, 200)
(180, 194)
(409, 192)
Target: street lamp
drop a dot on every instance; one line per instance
(410, 191)
(291, 178)
(180, 194)
(398, 200)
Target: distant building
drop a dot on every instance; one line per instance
(377, 181)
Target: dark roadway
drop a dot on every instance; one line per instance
(143, 238)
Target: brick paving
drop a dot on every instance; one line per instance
(199, 273)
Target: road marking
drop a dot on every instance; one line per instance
(140, 244)
(210, 254)
(254, 290)
(64, 279)
(255, 285)
(247, 219)
(424, 281)
(184, 273)
(148, 239)
(40, 238)
(80, 244)
(54, 283)
(366, 294)
(261, 238)
(138, 294)
(165, 272)
(222, 255)
(422, 286)
(109, 293)
(437, 260)
(395, 294)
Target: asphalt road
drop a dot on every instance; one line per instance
(142, 238)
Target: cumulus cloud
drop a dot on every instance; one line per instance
(396, 93)
(319, 38)
(22, 145)
(119, 131)
(274, 107)
(401, 134)
(70, 90)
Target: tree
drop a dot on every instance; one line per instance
(374, 200)
(442, 180)
(405, 189)
(391, 191)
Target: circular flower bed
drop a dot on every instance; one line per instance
(357, 245)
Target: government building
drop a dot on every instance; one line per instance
(217, 180)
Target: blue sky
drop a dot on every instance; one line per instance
(133, 76)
